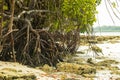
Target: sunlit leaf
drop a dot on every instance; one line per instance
(5, 7)
(114, 4)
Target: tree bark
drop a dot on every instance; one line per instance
(1, 17)
(10, 29)
(1, 24)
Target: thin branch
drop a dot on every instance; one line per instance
(117, 3)
(4, 36)
(10, 29)
(109, 11)
(27, 40)
(12, 15)
(31, 11)
(113, 10)
(1, 16)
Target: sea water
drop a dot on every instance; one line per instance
(106, 33)
(110, 50)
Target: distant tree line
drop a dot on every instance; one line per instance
(107, 29)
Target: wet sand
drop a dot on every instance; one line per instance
(110, 51)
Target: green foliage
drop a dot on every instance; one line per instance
(76, 68)
(0, 0)
(47, 68)
(12, 74)
(78, 14)
(74, 14)
(67, 15)
(106, 63)
(5, 7)
(114, 4)
(98, 2)
(96, 49)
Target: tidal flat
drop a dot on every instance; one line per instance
(84, 65)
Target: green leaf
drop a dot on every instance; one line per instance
(114, 4)
(5, 7)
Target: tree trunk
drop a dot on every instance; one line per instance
(1, 17)
(1, 24)
(10, 28)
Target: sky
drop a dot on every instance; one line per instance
(103, 17)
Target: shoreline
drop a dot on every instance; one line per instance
(85, 39)
(110, 46)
